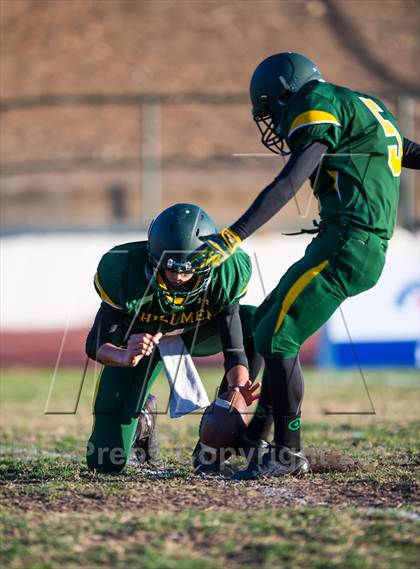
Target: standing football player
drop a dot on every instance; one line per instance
(149, 289)
(348, 144)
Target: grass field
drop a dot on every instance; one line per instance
(358, 508)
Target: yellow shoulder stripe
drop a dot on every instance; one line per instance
(296, 290)
(312, 117)
(104, 295)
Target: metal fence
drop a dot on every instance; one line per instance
(213, 170)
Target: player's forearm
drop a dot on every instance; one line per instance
(231, 336)
(299, 168)
(106, 322)
(237, 375)
(411, 154)
(111, 355)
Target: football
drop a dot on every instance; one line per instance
(224, 421)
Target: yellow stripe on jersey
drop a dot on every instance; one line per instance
(104, 295)
(296, 290)
(334, 176)
(312, 117)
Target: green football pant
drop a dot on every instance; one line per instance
(122, 391)
(340, 262)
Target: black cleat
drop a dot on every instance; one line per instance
(276, 462)
(146, 443)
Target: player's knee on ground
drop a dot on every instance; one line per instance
(103, 458)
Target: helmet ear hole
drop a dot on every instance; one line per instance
(197, 233)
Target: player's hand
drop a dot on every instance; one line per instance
(248, 391)
(140, 345)
(215, 249)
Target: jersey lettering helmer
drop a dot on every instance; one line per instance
(121, 282)
(358, 181)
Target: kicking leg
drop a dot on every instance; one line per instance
(304, 299)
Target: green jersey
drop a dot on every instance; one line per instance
(121, 282)
(358, 180)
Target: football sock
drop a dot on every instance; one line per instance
(262, 421)
(255, 361)
(285, 382)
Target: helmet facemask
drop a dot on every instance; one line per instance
(173, 236)
(274, 82)
(173, 298)
(268, 127)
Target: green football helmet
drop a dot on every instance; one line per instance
(273, 84)
(172, 236)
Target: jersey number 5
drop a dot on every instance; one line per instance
(394, 150)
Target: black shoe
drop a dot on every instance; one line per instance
(276, 462)
(146, 443)
(148, 450)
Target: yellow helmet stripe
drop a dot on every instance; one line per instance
(296, 289)
(312, 117)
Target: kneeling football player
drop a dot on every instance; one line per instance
(150, 291)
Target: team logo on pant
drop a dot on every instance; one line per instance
(295, 424)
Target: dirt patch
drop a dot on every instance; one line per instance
(176, 494)
(323, 461)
